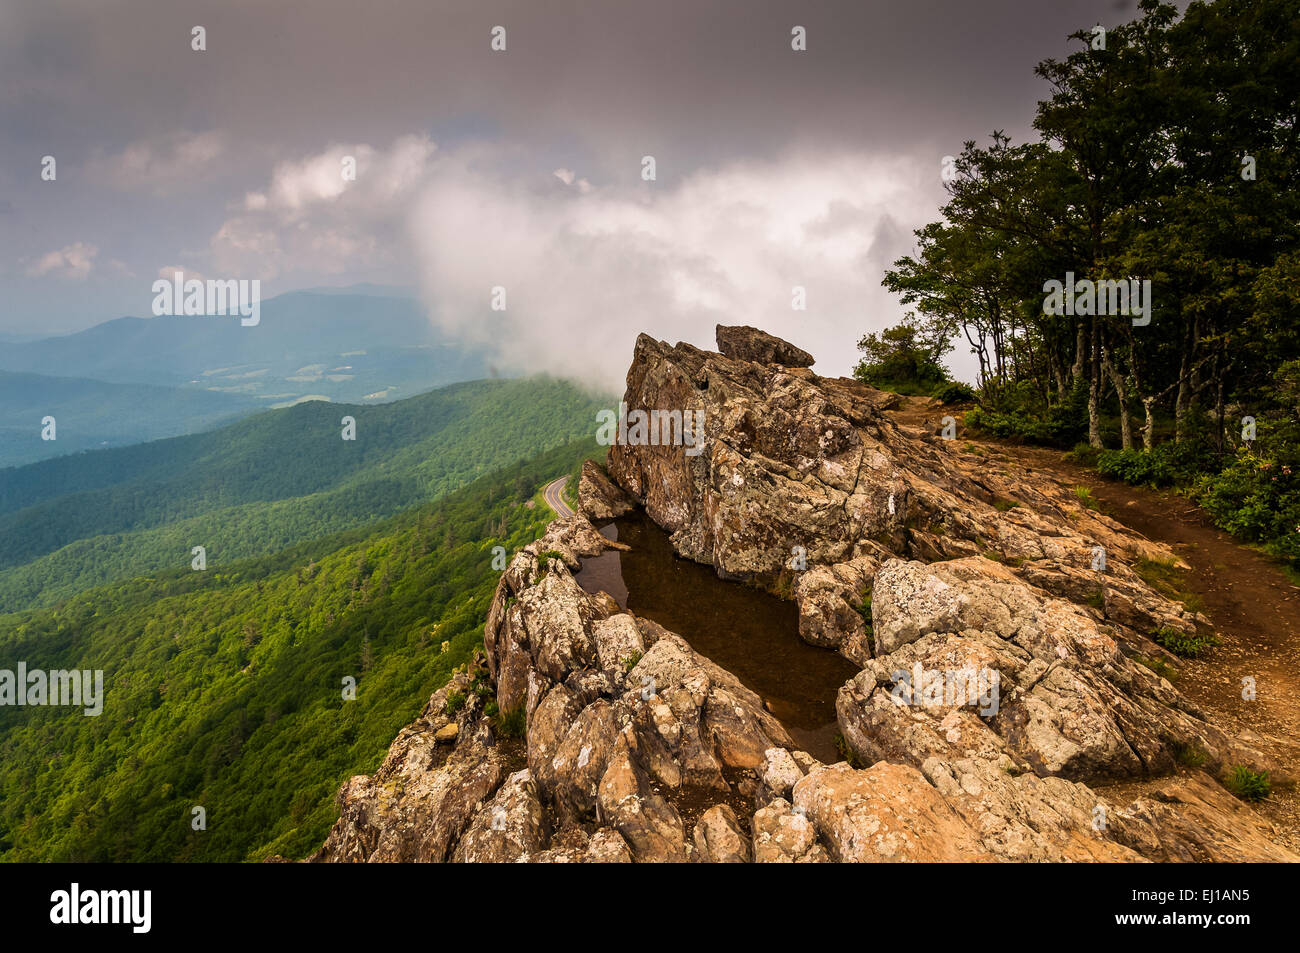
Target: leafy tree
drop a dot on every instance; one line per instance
(906, 356)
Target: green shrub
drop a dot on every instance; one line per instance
(1247, 784)
(954, 392)
(1084, 454)
(1167, 464)
(1182, 644)
(1257, 498)
(544, 562)
(455, 702)
(1190, 755)
(1018, 412)
(903, 359)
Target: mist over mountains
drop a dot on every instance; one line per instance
(133, 379)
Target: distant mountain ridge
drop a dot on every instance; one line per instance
(362, 344)
(343, 346)
(92, 414)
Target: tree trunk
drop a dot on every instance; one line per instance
(1148, 428)
(1186, 369)
(1080, 348)
(1180, 402)
(1121, 392)
(1058, 372)
(1094, 387)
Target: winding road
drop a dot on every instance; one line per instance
(551, 493)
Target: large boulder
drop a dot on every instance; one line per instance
(1054, 691)
(886, 813)
(807, 480)
(600, 499)
(509, 828)
(719, 839)
(750, 344)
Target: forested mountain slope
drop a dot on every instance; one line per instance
(224, 689)
(264, 482)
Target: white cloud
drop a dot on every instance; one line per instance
(585, 272)
(73, 262)
(168, 273)
(587, 267)
(311, 217)
(161, 165)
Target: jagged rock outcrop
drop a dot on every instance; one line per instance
(600, 499)
(917, 561)
(798, 468)
(750, 344)
(833, 605)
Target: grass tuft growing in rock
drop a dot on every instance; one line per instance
(512, 723)
(847, 752)
(1182, 644)
(1190, 755)
(1159, 666)
(1247, 784)
(544, 562)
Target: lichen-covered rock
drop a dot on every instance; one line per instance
(833, 605)
(571, 778)
(750, 344)
(1022, 817)
(408, 813)
(509, 828)
(785, 836)
(619, 646)
(886, 813)
(600, 499)
(1194, 820)
(650, 825)
(779, 774)
(1067, 700)
(719, 839)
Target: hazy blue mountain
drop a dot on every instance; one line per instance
(91, 414)
(335, 344)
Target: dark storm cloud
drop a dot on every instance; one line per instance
(704, 79)
(170, 157)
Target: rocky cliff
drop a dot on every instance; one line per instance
(613, 740)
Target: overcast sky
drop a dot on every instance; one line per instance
(522, 168)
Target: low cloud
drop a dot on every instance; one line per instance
(586, 268)
(312, 217)
(71, 262)
(162, 166)
(589, 258)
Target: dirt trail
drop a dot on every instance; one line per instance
(1254, 606)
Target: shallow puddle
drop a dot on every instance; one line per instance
(750, 633)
